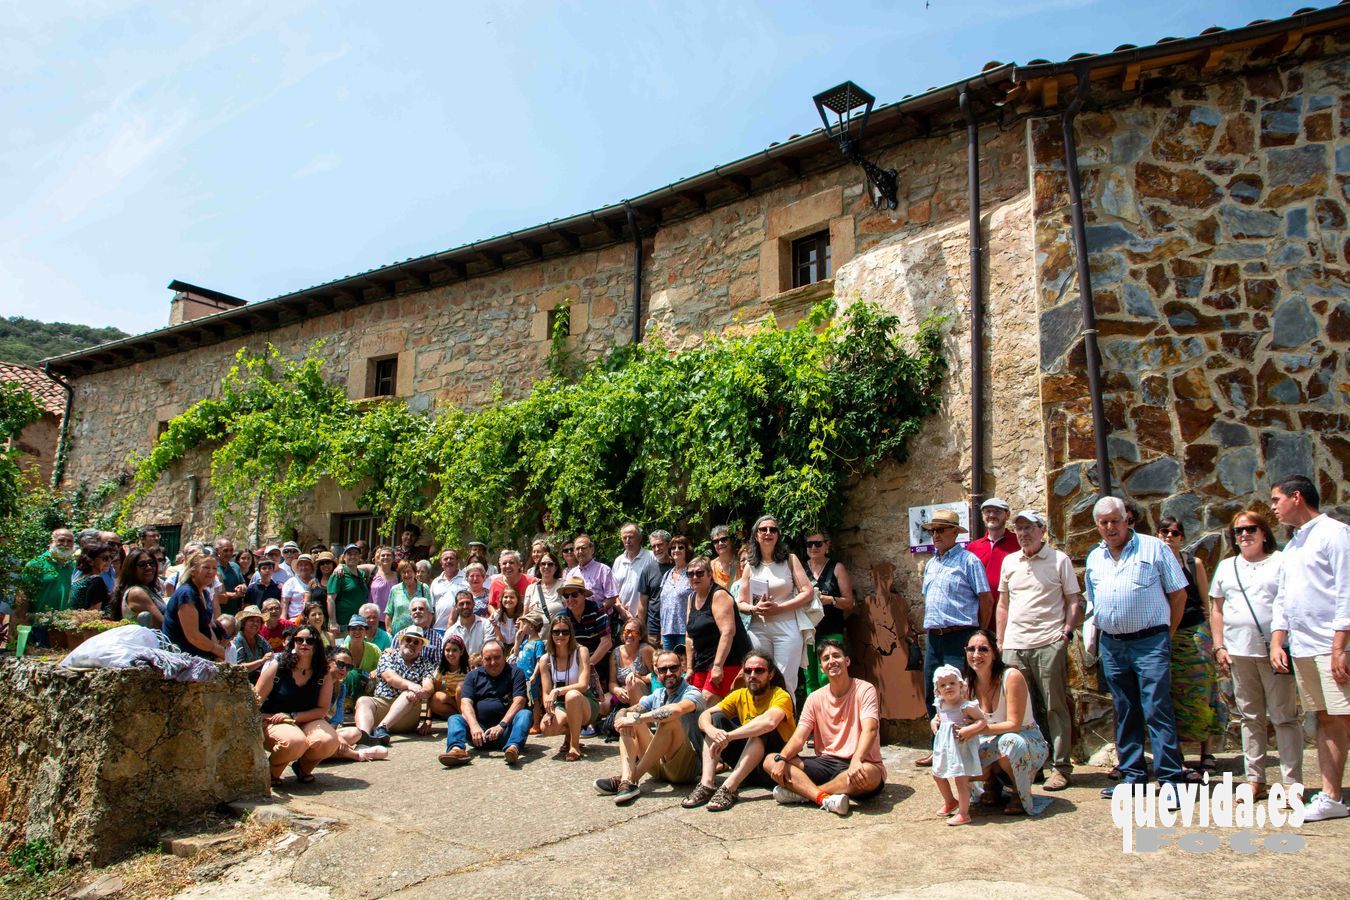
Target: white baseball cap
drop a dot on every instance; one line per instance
(1031, 516)
(996, 503)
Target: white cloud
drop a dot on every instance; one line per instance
(324, 162)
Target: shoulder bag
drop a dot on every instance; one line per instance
(1237, 576)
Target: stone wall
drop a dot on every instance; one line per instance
(1220, 262)
(97, 762)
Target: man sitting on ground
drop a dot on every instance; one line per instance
(843, 718)
(492, 710)
(748, 723)
(672, 752)
(404, 682)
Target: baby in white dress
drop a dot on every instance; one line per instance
(954, 758)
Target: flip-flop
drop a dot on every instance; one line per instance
(301, 777)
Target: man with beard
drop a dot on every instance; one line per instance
(44, 584)
(404, 682)
(748, 724)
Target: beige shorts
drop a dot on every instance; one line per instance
(1317, 689)
(405, 722)
(682, 768)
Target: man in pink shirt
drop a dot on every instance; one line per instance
(844, 718)
(995, 545)
(512, 574)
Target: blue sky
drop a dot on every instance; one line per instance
(261, 147)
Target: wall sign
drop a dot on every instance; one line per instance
(919, 540)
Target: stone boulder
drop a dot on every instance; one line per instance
(99, 762)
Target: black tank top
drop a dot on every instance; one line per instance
(288, 697)
(1193, 613)
(828, 585)
(702, 627)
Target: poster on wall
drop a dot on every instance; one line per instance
(919, 540)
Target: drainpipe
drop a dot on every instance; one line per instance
(59, 464)
(976, 317)
(637, 274)
(1099, 426)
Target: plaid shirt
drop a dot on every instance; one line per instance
(1130, 594)
(952, 584)
(391, 660)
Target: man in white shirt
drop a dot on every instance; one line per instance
(1312, 610)
(636, 575)
(1039, 603)
(445, 586)
(473, 630)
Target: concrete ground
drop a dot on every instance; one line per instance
(414, 829)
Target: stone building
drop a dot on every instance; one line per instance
(38, 441)
(1214, 172)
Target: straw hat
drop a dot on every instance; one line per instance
(945, 517)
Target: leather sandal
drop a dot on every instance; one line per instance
(700, 795)
(724, 799)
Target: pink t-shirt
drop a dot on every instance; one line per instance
(837, 721)
(379, 590)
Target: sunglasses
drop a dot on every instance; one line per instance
(547, 562)
(1170, 532)
(146, 564)
(979, 650)
(1246, 529)
(572, 595)
(721, 540)
(937, 528)
(346, 667)
(767, 529)
(696, 573)
(562, 631)
(811, 545)
(755, 670)
(304, 640)
(567, 551)
(667, 670)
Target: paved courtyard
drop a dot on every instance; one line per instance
(413, 829)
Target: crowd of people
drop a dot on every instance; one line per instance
(693, 663)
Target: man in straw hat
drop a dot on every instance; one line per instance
(404, 681)
(955, 590)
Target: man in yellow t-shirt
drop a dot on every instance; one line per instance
(751, 722)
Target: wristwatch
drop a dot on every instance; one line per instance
(778, 757)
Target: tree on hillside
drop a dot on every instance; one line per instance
(28, 340)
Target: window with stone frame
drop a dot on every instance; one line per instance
(811, 258)
(384, 377)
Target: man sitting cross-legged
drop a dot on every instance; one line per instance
(404, 682)
(844, 719)
(750, 722)
(672, 752)
(492, 710)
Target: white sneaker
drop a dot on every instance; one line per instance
(787, 797)
(836, 803)
(1323, 807)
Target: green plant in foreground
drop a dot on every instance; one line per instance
(34, 858)
(776, 420)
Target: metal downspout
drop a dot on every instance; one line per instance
(1099, 426)
(977, 442)
(59, 464)
(637, 274)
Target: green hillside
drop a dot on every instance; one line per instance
(27, 340)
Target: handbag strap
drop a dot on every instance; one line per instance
(1238, 576)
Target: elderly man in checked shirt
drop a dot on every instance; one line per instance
(1137, 590)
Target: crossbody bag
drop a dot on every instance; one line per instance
(1237, 574)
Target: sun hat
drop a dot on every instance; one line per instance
(945, 517)
(249, 612)
(576, 582)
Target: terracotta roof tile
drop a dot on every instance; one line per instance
(50, 395)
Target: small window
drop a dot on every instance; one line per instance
(559, 313)
(160, 429)
(386, 377)
(811, 259)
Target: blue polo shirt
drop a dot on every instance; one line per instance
(952, 584)
(1130, 594)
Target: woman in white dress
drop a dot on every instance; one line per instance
(780, 588)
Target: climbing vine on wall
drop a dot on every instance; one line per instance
(774, 420)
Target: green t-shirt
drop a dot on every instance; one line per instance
(350, 591)
(47, 584)
(370, 658)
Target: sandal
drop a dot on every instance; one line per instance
(700, 795)
(574, 755)
(949, 809)
(1014, 807)
(1209, 763)
(991, 796)
(301, 777)
(724, 799)
(1192, 776)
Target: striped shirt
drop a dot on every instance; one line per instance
(952, 584)
(1130, 594)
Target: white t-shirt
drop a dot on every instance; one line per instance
(293, 594)
(1261, 581)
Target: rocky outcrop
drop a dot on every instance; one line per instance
(98, 762)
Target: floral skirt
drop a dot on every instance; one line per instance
(1026, 751)
(1199, 707)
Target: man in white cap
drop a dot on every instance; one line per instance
(994, 546)
(955, 591)
(1039, 605)
(404, 682)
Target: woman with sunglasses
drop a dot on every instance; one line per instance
(295, 691)
(726, 564)
(1201, 712)
(633, 664)
(138, 590)
(773, 588)
(89, 590)
(831, 580)
(1242, 600)
(543, 594)
(1011, 742)
(715, 639)
(569, 697)
(340, 666)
